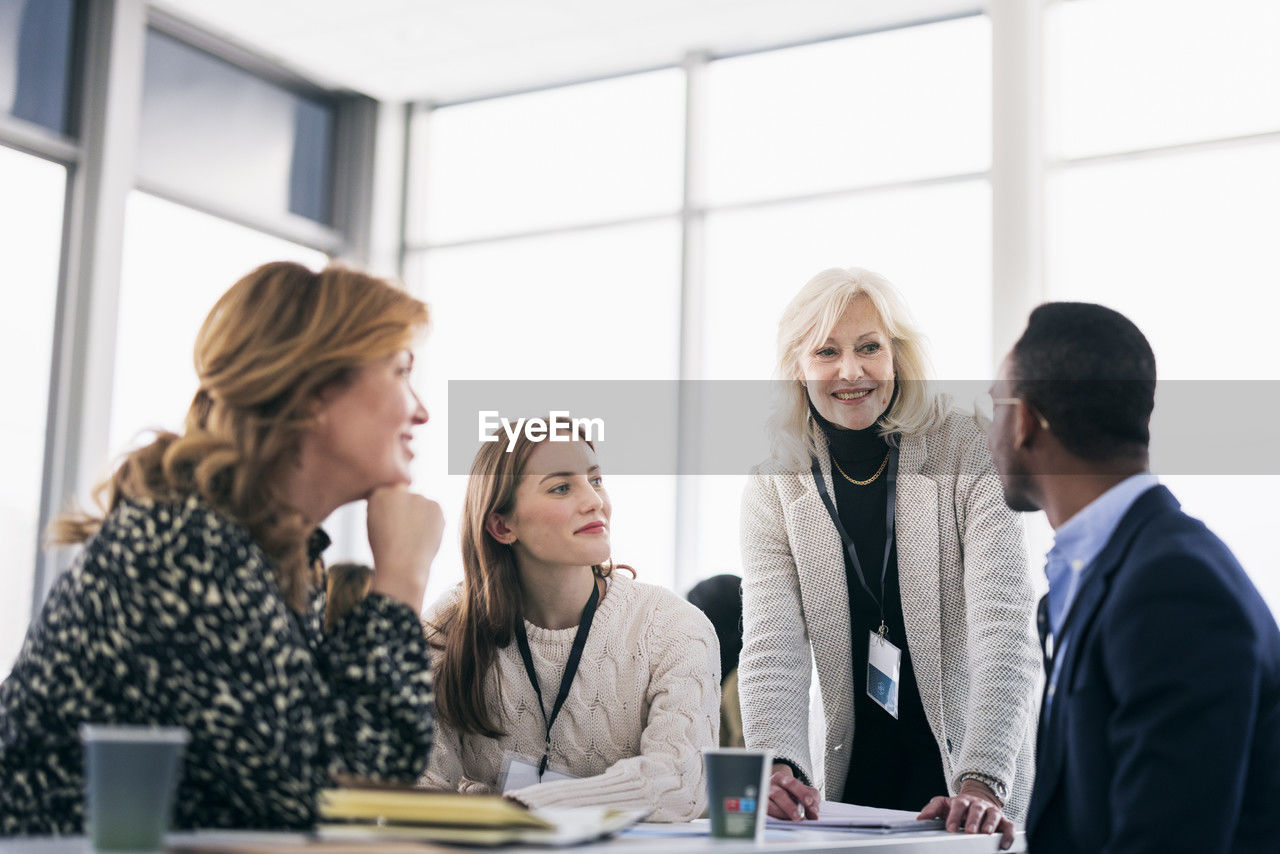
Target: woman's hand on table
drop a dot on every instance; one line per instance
(789, 798)
(974, 809)
(404, 535)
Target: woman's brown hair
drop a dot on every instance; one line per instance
(482, 621)
(272, 343)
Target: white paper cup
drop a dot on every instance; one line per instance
(130, 775)
(737, 791)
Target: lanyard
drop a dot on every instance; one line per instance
(570, 668)
(892, 475)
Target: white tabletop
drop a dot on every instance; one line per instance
(644, 839)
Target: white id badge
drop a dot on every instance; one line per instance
(521, 771)
(883, 662)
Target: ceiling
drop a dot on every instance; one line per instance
(449, 50)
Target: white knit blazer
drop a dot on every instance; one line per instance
(967, 600)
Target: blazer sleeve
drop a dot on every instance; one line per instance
(1004, 653)
(1183, 661)
(776, 662)
(683, 719)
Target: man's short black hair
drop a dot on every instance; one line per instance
(1091, 373)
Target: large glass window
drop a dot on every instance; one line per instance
(36, 38)
(30, 240)
(177, 262)
(1144, 73)
(580, 154)
(758, 258)
(585, 300)
(214, 132)
(1181, 240)
(596, 305)
(816, 120)
(1184, 244)
(892, 106)
(585, 297)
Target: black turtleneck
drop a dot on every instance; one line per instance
(893, 763)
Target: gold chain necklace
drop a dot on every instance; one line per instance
(869, 480)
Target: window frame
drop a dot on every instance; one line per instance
(99, 155)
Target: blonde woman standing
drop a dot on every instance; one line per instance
(197, 600)
(876, 544)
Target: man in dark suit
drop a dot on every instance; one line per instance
(1160, 724)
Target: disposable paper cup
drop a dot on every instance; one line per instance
(130, 774)
(737, 791)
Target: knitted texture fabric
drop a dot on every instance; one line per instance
(644, 703)
(967, 600)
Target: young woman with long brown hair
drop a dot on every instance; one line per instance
(578, 685)
(197, 598)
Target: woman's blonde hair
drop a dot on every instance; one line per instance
(274, 342)
(482, 620)
(807, 321)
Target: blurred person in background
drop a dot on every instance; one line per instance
(876, 545)
(720, 598)
(197, 600)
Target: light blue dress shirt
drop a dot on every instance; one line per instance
(1076, 545)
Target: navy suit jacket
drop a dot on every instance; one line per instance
(1164, 731)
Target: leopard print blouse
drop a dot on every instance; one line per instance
(171, 616)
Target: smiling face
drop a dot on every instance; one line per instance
(850, 376)
(364, 429)
(562, 511)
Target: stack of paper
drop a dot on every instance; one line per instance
(837, 816)
(361, 814)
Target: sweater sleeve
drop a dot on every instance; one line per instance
(683, 718)
(776, 662)
(1004, 654)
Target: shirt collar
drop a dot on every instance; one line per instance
(1078, 542)
(1084, 534)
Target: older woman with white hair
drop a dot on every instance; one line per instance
(876, 544)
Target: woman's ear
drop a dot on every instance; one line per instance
(497, 527)
(317, 405)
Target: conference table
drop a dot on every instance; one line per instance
(642, 839)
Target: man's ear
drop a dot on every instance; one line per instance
(497, 527)
(1026, 427)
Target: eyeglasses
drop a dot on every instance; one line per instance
(985, 406)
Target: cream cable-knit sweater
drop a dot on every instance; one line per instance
(645, 702)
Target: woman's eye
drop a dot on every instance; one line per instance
(826, 352)
(562, 489)
(871, 347)
(597, 481)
